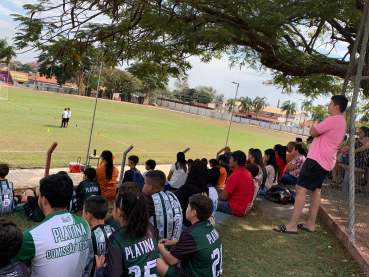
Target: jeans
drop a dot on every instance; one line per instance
(223, 206)
(263, 191)
(289, 179)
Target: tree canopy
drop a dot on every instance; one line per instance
(290, 108)
(7, 52)
(306, 44)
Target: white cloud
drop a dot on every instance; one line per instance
(7, 29)
(6, 11)
(20, 3)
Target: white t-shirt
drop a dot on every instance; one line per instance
(213, 194)
(69, 113)
(144, 174)
(256, 191)
(59, 246)
(178, 178)
(65, 114)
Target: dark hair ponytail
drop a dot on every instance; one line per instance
(181, 161)
(282, 152)
(135, 211)
(272, 161)
(108, 157)
(258, 157)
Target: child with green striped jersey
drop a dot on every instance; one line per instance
(61, 244)
(132, 249)
(7, 202)
(88, 187)
(94, 211)
(168, 216)
(198, 251)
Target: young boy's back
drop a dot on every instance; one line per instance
(95, 209)
(199, 249)
(133, 174)
(87, 188)
(7, 203)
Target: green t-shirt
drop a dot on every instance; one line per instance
(200, 250)
(131, 258)
(86, 189)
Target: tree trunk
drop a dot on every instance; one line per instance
(287, 114)
(79, 75)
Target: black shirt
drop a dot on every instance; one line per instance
(216, 175)
(183, 194)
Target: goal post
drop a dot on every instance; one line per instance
(3, 90)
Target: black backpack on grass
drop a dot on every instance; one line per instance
(280, 195)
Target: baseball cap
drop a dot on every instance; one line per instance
(239, 156)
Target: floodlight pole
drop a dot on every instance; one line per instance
(93, 117)
(230, 120)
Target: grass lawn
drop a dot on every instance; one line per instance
(155, 132)
(251, 248)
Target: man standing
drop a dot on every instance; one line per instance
(68, 116)
(237, 196)
(61, 244)
(64, 118)
(321, 159)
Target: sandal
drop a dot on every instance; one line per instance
(283, 229)
(301, 227)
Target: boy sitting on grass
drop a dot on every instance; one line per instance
(198, 251)
(87, 188)
(168, 213)
(11, 240)
(133, 174)
(31, 208)
(150, 166)
(7, 203)
(94, 212)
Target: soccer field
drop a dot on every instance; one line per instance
(28, 128)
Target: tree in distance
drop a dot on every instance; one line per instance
(290, 108)
(259, 104)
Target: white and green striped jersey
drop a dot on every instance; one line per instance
(59, 246)
(168, 215)
(6, 197)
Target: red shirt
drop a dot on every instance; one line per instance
(240, 186)
(282, 166)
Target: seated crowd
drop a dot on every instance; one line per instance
(160, 225)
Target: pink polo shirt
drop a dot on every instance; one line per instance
(325, 146)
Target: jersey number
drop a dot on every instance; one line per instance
(217, 256)
(137, 270)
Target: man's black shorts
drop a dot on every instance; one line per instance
(312, 175)
(67, 120)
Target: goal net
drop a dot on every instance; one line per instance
(3, 90)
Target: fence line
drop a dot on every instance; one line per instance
(223, 116)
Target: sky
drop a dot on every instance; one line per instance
(216, 73)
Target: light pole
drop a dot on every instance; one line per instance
(230, 120)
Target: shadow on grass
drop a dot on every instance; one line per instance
(252, 248)
(52, 126)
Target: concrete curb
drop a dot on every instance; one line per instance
(359, 252)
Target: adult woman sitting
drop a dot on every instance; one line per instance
(280, 157)
(271, 168)
(256, 158)
(293, 168)
(178, 172)
(107, 175)
(195, 183)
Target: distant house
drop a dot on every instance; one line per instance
(49, 84)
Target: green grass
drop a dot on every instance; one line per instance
(251, 248)
(155, 133)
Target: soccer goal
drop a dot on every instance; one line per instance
(3, 90)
